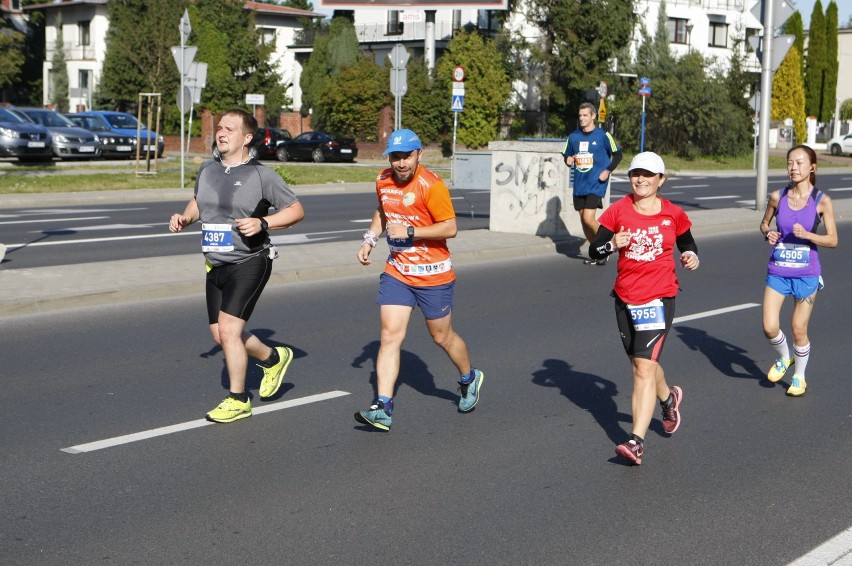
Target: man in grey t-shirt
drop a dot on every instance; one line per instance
(233, 196)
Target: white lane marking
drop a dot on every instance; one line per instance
(689, 186)
(43, 220)
(836, 552)
(717, 198)
(367, 220)
(78, 210)
(99, 227)
(189, 425)
(841, 189)
(275, 240)
(748, 203)
(195, 233)
(714, 312)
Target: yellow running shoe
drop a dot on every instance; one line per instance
(230, 410)
(273, 376)
(780, 368)
(797, 387)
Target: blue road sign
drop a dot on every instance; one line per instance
(458, 103)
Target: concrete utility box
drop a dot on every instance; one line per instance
(531, 191)
(472, 170)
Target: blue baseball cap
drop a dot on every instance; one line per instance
(403, 141)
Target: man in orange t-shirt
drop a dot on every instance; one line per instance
(416, 212)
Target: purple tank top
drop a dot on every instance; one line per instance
(792, 256)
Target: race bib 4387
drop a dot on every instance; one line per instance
(217, 238)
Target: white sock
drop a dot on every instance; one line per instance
(803, 353)
(779, 344)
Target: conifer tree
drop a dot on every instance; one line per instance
(816, 64)
(60, 71)
(829, 92)
(788, 94)
(794, 26)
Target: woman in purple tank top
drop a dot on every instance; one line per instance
(794, 267)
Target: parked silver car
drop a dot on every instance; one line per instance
(22, 139)
(69, 141)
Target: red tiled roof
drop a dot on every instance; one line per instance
(277, 9)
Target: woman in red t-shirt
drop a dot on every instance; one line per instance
(644, 229)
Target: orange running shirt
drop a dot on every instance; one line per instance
(423, 201)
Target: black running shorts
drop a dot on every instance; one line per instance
(234, 288)
(646, 344)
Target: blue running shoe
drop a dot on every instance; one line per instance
(375, 416)
(470, 392)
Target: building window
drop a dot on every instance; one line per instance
(394, 25)
(456, 21)
(83, 35)
(267, 36)
(677, 30)
(718, 34)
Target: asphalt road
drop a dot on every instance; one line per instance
(530, 477)
(38, 236)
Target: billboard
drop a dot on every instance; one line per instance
(413, 4)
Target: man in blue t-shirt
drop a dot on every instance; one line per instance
(593, 153)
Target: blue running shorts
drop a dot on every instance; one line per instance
(435, 302)
(798, 287)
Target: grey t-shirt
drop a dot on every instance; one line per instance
(246, 191)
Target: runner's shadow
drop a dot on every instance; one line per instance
(412, 372)
(728, 359)
(554, 228)
(254, 373)
(589, 392)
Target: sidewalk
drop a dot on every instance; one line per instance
(46, 289)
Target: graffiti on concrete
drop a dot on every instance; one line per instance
(525, 185)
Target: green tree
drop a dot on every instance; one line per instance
(138, 53)
(846, 109)
(352, 107)
(425, 107)
(335, 46)
(238, 63)
(788, 93)
(11, 56)
(829, 91)
(815, 65)
(59, 71)
(578, 40)
(653, 52)
(487, 86)
(794, 26)
(722, 127)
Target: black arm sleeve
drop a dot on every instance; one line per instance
(596, 247)
(616, 159)
(686, 243)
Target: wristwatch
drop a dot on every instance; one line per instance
(411, 231)
(609, 247)
(264, 224)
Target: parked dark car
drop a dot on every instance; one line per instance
(318, 147)
(124, 124)
(69, 141)
(22, 139)
(112, 144)
(269, 140)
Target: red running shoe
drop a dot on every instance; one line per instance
(671, 415)
(631, 451)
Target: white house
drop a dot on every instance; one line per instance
(84, 28)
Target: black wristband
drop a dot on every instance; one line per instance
(264, 225)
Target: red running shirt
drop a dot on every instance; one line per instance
(646, 266)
